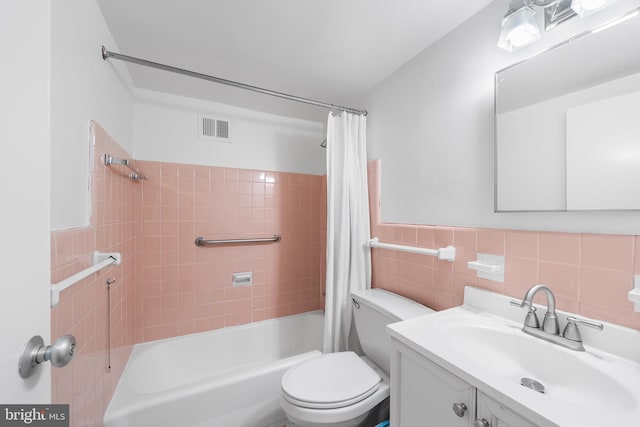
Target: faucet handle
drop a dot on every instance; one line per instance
(571, 331)
(520, 304)
(531, 319)
(591, 324)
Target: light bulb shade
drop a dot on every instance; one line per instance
(519, 28)
(587, 7)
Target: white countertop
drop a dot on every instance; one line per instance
(482, 343)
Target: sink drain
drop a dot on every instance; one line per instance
(532, 384)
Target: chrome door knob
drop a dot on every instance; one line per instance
(62, 351)
(459, 409)
(35, 353)
(481, 423)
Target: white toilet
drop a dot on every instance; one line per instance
(339, 389)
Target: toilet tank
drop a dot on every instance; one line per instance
(373, 310)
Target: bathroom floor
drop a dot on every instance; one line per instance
(282, 423)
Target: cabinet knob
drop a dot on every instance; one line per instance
(459, 409)
(481, 423)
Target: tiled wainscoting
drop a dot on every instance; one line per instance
(590, 274)
(116, 226)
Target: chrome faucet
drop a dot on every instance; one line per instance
(550, 330)
(550, 323)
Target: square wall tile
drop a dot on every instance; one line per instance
(563, 279)
(608, 251)
(636, 252)
(560, 247)
(601, 287)
(522, 244)
(522, 272)
(443, 237)
(491, 241)
(465, 239)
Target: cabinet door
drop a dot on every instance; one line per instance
(424, 395)
(497, 415)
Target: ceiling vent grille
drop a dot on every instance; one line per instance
(213, 128)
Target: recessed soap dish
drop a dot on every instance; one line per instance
(489, 267)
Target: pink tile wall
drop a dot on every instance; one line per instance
(115, 227)
(323, 241)
(166, 286)
(589, 273)
(188, 289)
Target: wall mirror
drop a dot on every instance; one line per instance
(568, 124)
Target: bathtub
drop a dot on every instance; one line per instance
(227, 377)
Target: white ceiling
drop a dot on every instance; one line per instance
(330, 50)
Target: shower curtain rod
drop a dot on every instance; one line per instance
(108, 54)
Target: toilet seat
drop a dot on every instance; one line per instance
(331, 381)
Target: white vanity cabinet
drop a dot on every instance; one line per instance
(424, 394)
(492, 413)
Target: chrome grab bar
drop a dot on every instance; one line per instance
(201, 241)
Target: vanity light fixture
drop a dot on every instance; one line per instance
(520, 24)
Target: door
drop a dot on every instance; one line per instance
(24, 194)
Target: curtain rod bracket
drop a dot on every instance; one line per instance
(105, 53)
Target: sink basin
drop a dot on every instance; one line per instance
(514, 355)
(483, 344)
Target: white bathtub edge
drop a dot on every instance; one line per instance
(114, 416)
(226, 329)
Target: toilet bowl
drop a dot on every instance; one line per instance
(337, 389)
(340, 389)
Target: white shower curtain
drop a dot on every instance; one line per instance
(348, 257)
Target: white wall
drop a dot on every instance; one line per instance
(431, 124)
(166, 129)
(24, 216)
(84, 87)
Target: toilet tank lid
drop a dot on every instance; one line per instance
(392, 305)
